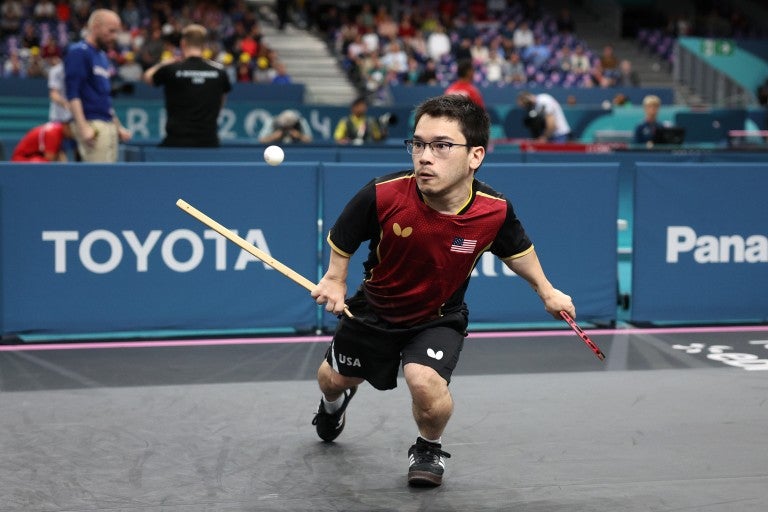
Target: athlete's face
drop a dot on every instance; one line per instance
(444, 176)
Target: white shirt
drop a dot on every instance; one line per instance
(550, 105)
(56, 81)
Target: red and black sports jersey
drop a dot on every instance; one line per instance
(420, 260)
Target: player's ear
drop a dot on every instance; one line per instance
(476, 157)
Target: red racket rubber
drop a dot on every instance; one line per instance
(578, 330)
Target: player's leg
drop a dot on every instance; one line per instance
(357, 353)
(432, 404)
(428, 363)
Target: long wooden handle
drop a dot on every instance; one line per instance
(249, 248)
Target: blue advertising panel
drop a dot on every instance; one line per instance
(242, 121)
(93, 248)
(570, 214)
(700, 243)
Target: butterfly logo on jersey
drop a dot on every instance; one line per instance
(403, 232)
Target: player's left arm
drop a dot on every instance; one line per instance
(529, 268)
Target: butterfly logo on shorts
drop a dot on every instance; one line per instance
(435, 355)
(403, 232)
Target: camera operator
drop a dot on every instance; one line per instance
(358, 127)
(544, 117)
(286, 129)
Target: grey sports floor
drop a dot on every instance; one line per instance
(540, 425)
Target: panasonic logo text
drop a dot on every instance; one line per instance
(102, 251)
(715, 249)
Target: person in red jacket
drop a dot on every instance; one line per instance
(44, 143)
(464, 84)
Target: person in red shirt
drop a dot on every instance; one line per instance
(464, 83)
(44, 143)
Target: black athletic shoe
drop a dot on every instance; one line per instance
(329, 426)
(427, 464)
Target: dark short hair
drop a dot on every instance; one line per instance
(465, 68)
(474, 122)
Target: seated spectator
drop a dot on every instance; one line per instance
(513, 70)
(608, 59)
(36, 67)
(523, 36)
(43, 143)
(580, 61)
(29, 36)
(385, 25)
(287, 128)
(428, 73)
(563, 57)
(536, 54)
(14, 67)
(244, 68)
(438, 44)
(414, 71)
(597, 78)
(11, 13)
(494, 69)
(130, 71)
(627, 77)
(45, 10)
(479, 51)
(646, 131)
(395, 59)
(406, 29)
(281, 74)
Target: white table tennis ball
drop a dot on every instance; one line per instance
(274, 155)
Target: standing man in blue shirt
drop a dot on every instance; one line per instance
(97, 128)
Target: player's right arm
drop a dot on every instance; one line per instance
(332, 288)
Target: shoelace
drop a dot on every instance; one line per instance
(426, 451)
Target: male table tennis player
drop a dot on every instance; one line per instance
(427, 228)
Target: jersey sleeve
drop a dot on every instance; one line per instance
(76, 67)
(161, 75)
(512, 241)
(357, 223)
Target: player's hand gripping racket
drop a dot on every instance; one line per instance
(591, 344)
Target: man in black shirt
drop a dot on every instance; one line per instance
(195, 91)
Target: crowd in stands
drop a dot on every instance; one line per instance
(35, 34)
(510, 42)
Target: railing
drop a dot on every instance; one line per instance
(712, 85)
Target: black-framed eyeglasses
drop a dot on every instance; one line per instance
(439, 148)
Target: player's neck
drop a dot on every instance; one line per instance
(451, 202)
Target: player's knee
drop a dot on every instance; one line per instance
(426, 385)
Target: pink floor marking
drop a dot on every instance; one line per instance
(326, 339)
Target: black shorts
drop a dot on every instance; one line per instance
(370, 348)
